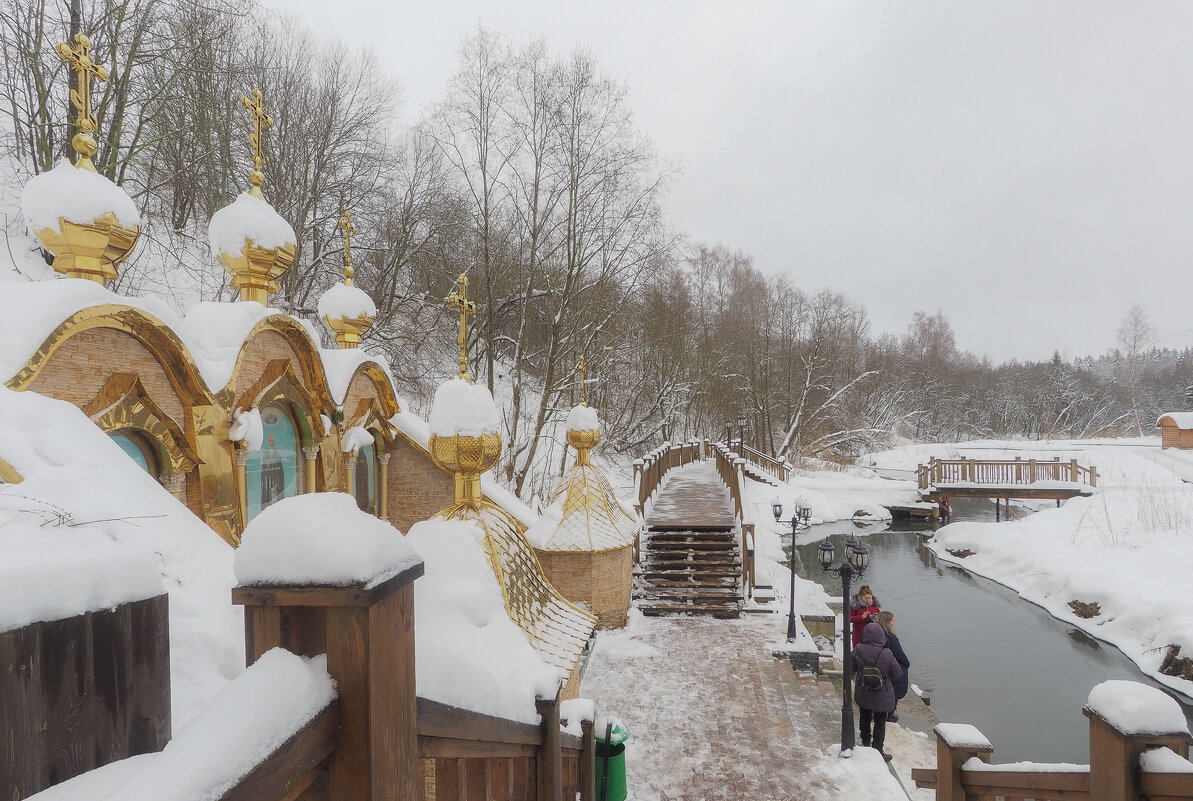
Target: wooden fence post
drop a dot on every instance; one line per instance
(1093, 476)
(1114, 754)
(587, 762)
(550, 757)
(368, 636)
(956, 743)
(1073, 471)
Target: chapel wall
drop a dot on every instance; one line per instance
(601, 580)
(81, 365)
(256, 355)
(417, 489)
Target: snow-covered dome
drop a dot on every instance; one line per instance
(348, 312)
(255, 244)
(464, 408)
(66, 207)
(583, 418)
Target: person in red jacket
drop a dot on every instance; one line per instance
(863, 609)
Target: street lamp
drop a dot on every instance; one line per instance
(741, 435)
(776, 507)
(728, 435)
(857, 558)
(800, 515)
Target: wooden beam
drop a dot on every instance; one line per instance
(267, 595)
(436, 719)
(448, 748)
(295, 765)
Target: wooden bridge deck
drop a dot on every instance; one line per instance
(694, 499)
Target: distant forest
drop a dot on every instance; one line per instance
(530, 175)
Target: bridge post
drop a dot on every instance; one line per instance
(1031, 471)
(1114, 753)
(1073, 471)
(955, 744)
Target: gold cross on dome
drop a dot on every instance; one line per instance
(459, 300)
(261, 121)
(582, 403)
(349, 230)
(78, 58)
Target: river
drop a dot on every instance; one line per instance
(982, 654)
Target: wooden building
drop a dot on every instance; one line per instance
(1176, 430)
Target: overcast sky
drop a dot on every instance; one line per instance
(1026, 167)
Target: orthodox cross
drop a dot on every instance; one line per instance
(261, 121)
(582, 403)
(459, 300)
(349, 230)
(78, 58)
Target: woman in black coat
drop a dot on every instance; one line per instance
(875, 704)
(887, 621)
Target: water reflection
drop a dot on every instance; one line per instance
(984, 655)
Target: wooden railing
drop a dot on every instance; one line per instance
(1016, 471)
(297, 768)
(779, 469)
(1115, 773)
(731, 469)
(650, 471)
(83, 691)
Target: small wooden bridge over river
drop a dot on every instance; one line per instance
(1028, 479)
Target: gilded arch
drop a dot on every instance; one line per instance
(152, 333)
(306, 353)
(368, 415)
(279, 384)
(122, 403)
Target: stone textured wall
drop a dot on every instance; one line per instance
(417, 488)
(603, 580)
(260, 351)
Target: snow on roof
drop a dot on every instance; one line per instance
(79, 196)
(590, 517)
(76, 474)
(321, 539)
(462, 407)
(962, 735)
(1134, 708)
(345, 302)
(470, 654)
(582, 418)
(412, 426)
(247, 426)
(246, 218)
(251, 718)
(341, 364)
(33, 310)
(1181, 419)
(214, 334)
(356, 438)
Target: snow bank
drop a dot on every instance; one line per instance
(341, 364)
(247, 427)
(1164, 760)
(343, 302)
(462, 407)
(583, 418)
(257, 712)
(321, 539)
(356, 438)
(215, 333)
(248, 218)
(77, 481)
(1134, 708)
(78, 196)
(470, 654)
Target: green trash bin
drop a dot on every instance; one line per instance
(610, 750)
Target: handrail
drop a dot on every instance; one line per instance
(775, 467)
(1017, 472)
(295, 764)
(650, 471)
(731, 469)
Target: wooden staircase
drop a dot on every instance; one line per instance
(690, 571)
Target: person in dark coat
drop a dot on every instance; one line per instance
(863, 609)
(875, 705)
(901, 684)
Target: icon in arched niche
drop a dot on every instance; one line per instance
(272, 472)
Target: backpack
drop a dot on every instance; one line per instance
(872, 678)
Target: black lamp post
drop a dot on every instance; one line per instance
(800, 515)
(741, 435)
(728, 434)
(857, 558)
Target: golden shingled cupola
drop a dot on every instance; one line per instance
(252, 241)
(464, 454)
(89, 223)
(346, 310)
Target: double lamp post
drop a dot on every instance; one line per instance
(857, 559)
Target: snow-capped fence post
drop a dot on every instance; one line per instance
(955, 744)
(587, 761)
(550, 756)
(1125, 719)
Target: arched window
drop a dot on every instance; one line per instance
(138, 449)
(365, 479)
(272, 473)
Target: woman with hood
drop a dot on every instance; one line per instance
(901, 684)
(863, 609)
(875, 703)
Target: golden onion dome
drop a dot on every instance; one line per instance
(583, 431)
(347, 311)
(465, 438)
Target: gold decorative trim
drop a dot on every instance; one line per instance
(152, 333)
(8, 473)
(122, 403)
(278, 383)
(306, 351)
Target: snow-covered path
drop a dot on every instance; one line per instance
(712, 715)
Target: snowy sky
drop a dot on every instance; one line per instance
(1021, 165)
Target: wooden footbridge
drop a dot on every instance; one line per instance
(697, 553)
(942, 479)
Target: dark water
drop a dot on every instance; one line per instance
(984, 655)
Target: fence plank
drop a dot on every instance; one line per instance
(150, 703)
(293, 766)
(113, 631)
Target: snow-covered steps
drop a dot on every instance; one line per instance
(694, 571)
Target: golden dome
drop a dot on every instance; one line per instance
(467, 457)
(347, 311)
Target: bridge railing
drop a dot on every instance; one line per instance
(775, 467)
(731, 469)
(1125, 764)
(650, 470)
(1017, 471)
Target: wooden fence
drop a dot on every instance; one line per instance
(1016, 471)
(78, 693)
(650, 470)
(731, 469)
(1114, 773)
(775, 467)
